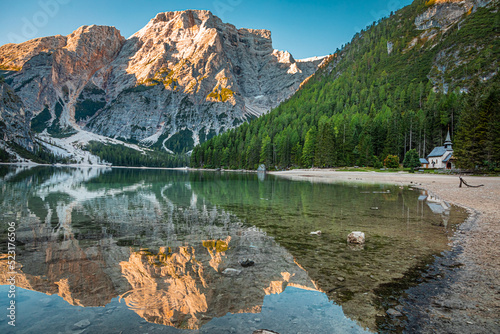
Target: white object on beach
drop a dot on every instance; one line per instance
(316, 233)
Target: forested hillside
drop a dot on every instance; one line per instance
(395, 87)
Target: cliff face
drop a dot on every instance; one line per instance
(54, 70)
(185, 74)
(14, 119)
(441, 14)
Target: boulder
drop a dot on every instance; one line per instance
(356, 238)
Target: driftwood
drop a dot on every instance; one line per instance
(468, 185)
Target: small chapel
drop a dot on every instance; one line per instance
(441, 157)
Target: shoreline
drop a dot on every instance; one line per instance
(463, 292)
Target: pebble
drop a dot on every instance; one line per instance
(341, 279)
(247, 263)
(392, 312)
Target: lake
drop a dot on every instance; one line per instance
(101, 250)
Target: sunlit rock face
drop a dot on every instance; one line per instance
(184, 73)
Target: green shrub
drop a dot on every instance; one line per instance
(411, 159)
(392, 161)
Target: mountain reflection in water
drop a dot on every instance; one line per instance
(168, 245)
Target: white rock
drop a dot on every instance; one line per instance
(356, 238)
(316, 233)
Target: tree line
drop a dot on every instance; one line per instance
(368, 103)
(120, 155)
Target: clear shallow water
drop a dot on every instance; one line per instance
(134, 250)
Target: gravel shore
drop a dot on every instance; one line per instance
(464, 296)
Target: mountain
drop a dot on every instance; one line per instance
(183, 78)
(398, 85)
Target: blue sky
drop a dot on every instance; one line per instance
(304, 28)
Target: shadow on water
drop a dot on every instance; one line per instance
(166, 246)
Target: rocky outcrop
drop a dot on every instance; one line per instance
(184, 77)
(443, 13)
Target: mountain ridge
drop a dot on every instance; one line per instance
(184, 77)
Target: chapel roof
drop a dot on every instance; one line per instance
(438, 151)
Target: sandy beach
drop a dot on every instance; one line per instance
(465, 296)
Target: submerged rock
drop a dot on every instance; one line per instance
(231, 272)
(264, 331)
(82, 324)
(356, 238)
(247, 263)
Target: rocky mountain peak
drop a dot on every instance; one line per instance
(96, 37)
(181, 79)
(14, 56)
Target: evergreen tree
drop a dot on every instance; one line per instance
(411, 159)
(308, 152)
(477, 143)
(266, 152)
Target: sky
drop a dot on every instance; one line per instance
(304, 28)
